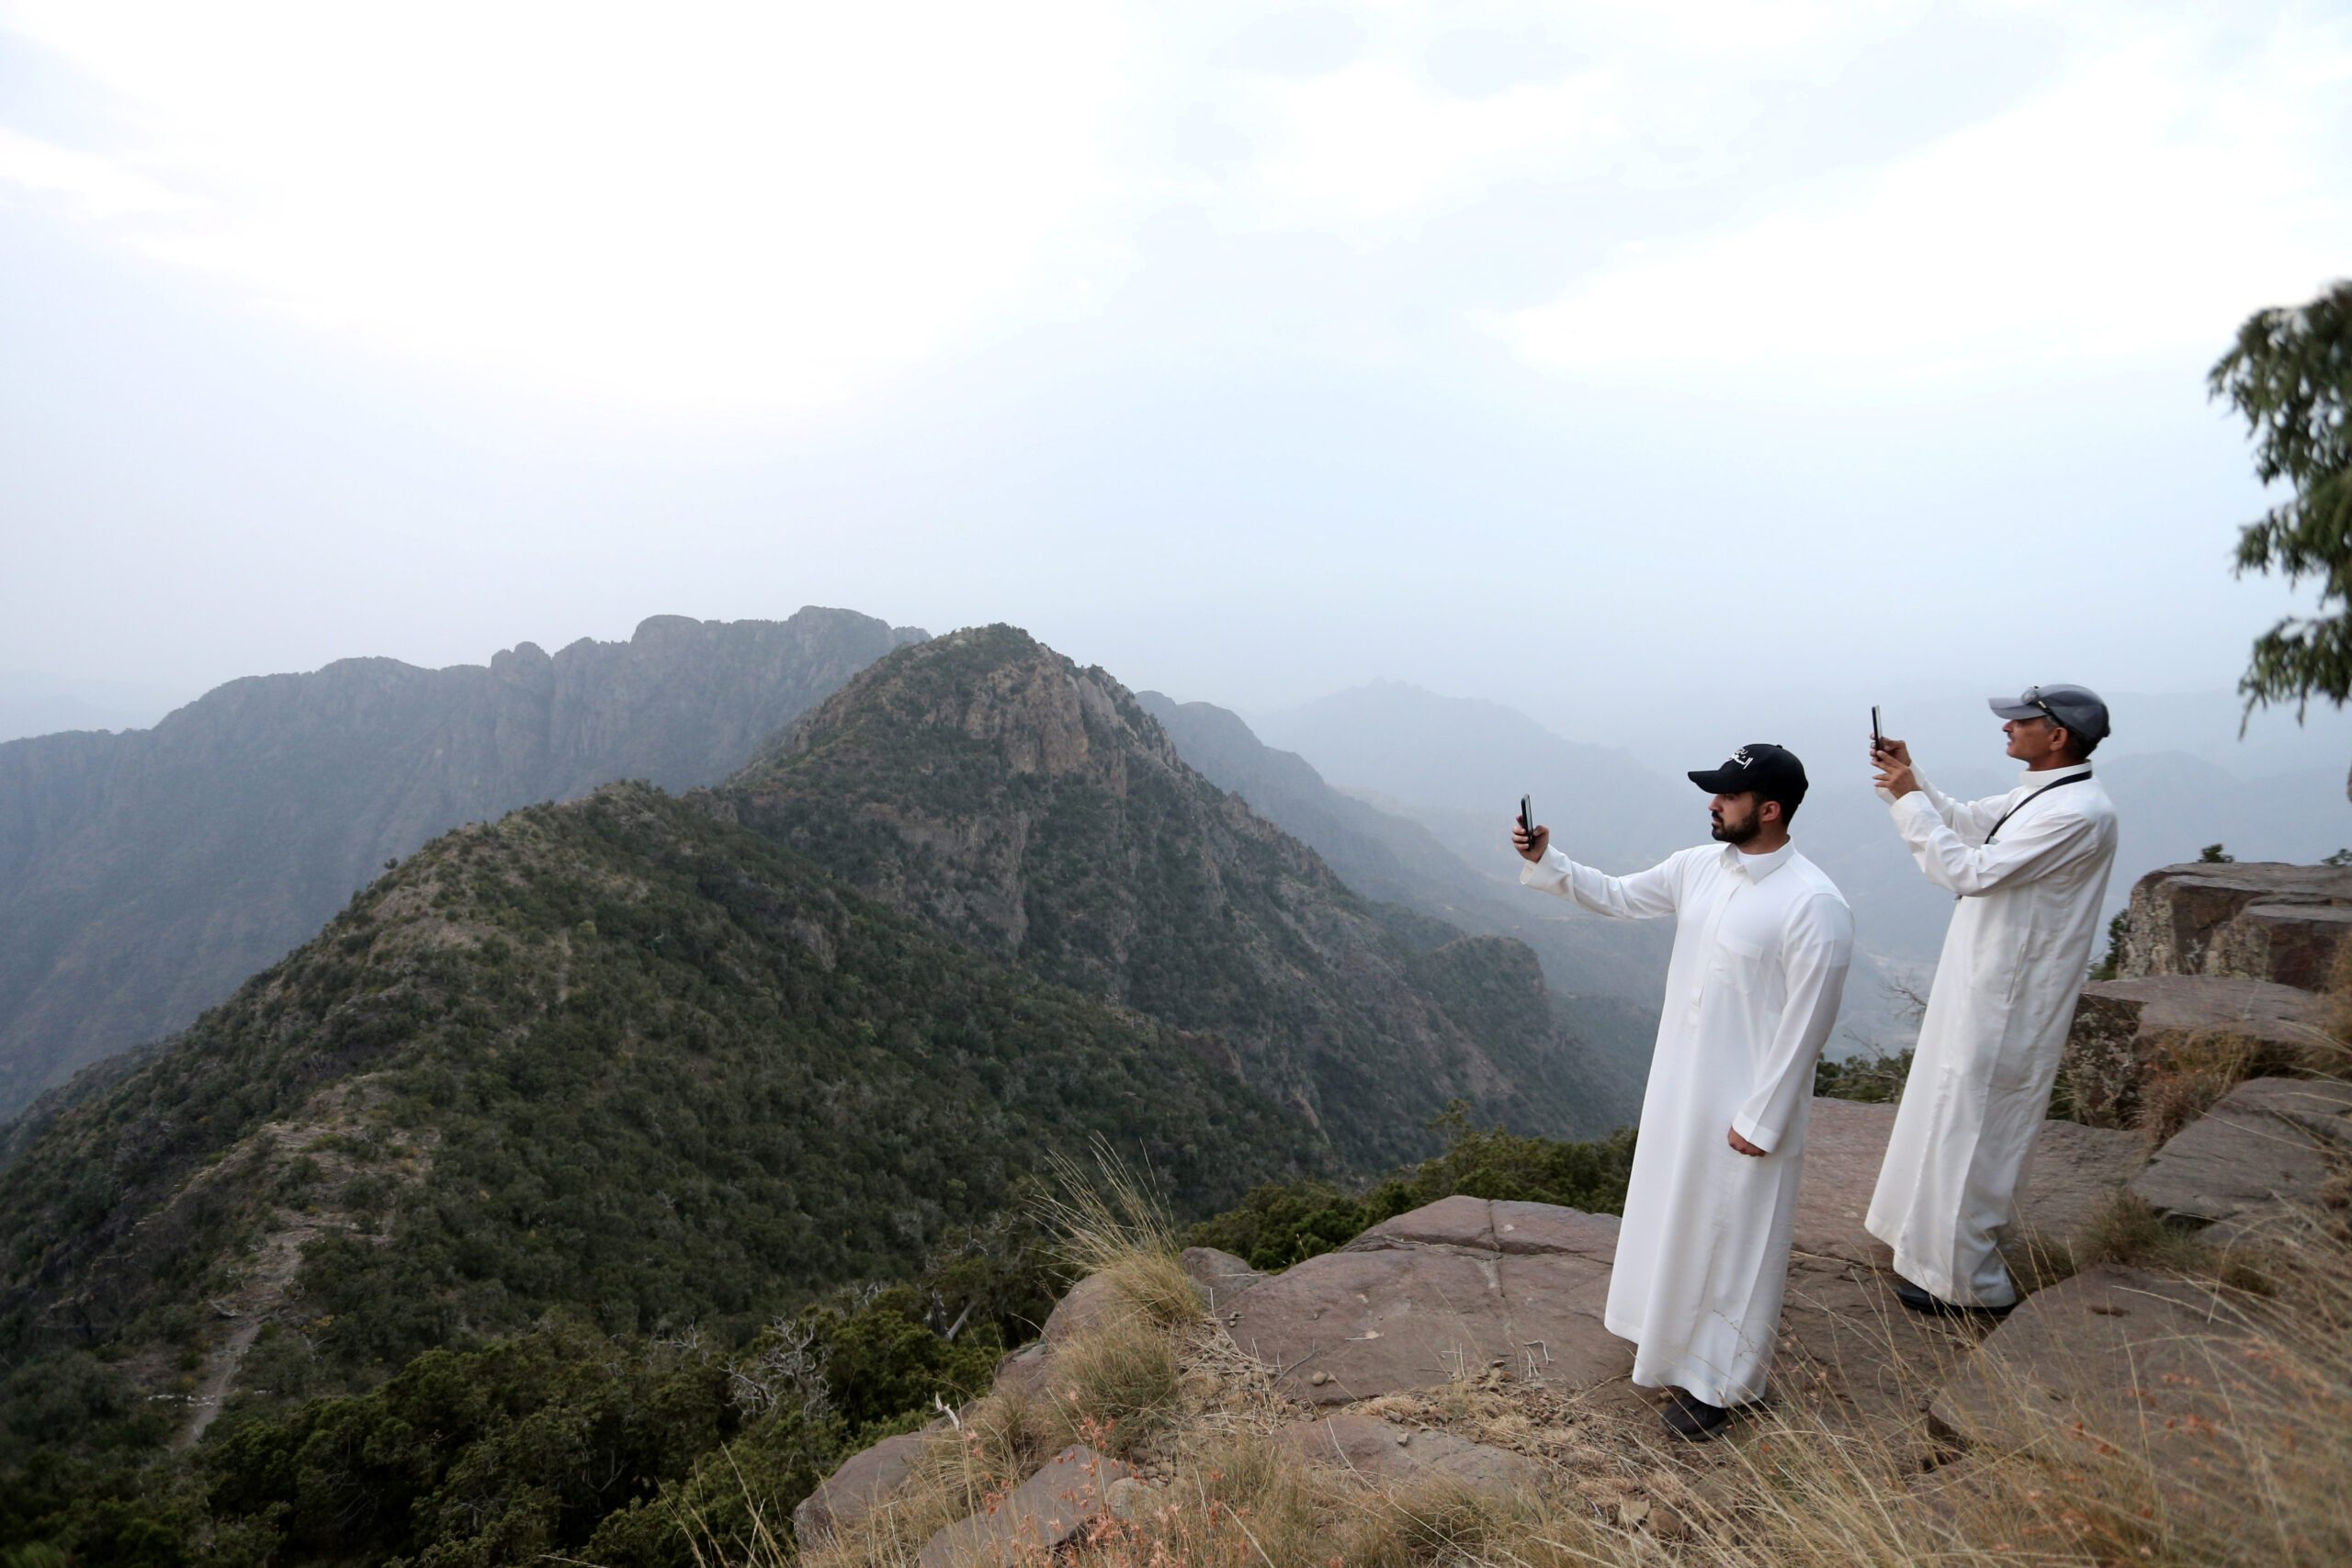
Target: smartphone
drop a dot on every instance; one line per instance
(1527, 818)
(1878, 742)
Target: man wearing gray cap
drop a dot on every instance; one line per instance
(2029, 869)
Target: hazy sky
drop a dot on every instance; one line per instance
(1248, 351)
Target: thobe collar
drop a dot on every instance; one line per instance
(2031, 780)
(1758, 867)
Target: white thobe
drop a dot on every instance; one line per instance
(1997, 1014)
(1761, 946)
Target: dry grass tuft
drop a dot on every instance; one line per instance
(1121, 1376)
(2194, 1072)
(1109, 1221)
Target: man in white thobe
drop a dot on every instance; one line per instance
(2029, 868)
(1761, 944)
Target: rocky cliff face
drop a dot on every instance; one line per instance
(143, 874)
(2255, 920)
(1032, 810)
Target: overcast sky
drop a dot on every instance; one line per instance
(1250, 352)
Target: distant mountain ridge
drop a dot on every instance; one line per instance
(144, 874)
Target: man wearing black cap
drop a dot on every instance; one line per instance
(2029, 869)
(1761, 944)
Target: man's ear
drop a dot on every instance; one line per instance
(1769, 810)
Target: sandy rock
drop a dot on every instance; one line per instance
(1129, 1497)
(1432, 1296)
(2123, 1026)
(1084, 1307)
(1382, 1452)
(2257, 919)
(2074, 1172)
(1222, 1277)
(2127, 1356)
(853, 1491)
(1021, 1373)
(2265, 1150)
(1038, 1515)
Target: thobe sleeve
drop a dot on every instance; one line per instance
(1815, 951)
(1642, 896)
(1970, 819)
(2033, 844)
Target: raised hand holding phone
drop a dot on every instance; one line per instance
(1525, 837)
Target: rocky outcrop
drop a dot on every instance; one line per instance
(2125, 1030)
(1468, 1300)
(2255, 920)
(144, 874)
(2265, 1151)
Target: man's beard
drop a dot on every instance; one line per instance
(1726, 834)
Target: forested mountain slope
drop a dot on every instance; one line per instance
(1603, 974)
(613, 1057)
(144, 874)
(986, 785)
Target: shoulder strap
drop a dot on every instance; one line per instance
(2029, 800)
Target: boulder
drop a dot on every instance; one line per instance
(1078, 1310)
(1222, 1277)
(855, 1489)
(2123, 1028)
(2265, 1150)
(1382, 1452)
(1446, 1292)
(2255, 920)
(1037, 1517)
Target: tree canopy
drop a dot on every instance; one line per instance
(2290, 374)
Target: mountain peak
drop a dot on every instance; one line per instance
(995, 686)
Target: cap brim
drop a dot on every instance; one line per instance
(2005, 708)
(1715, 780)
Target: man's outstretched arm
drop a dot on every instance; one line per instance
(1639, 895)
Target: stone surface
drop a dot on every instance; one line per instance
(2123, 1356)
(2123, 1027)
(1022, 1372)
(1036, 1516)
(1078, 1310)
(2074, 1172)
(1382, 1451)
(1441, 1295)
(2265, 1150)
(2257, 919)
(852, 1492)
(1222, 1277)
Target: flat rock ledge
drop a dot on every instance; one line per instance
(2120, 1350)
(1383, 1453)
(2264, 1152)
(1441, 1295)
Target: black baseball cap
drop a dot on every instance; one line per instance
(2077, 707)
(1772, 771)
